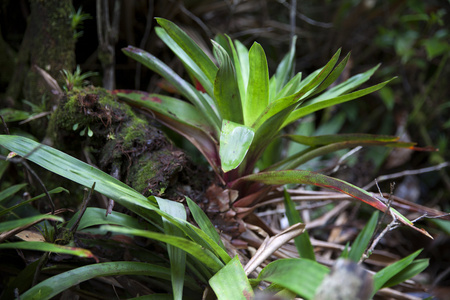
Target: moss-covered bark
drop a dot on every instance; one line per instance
(121, 143)
(49, 44)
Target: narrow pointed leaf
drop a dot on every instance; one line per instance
(58, 283)
(226, 89)
(48, 247)
(203, 222)
(320, 103)
(302, 242)
(322, 140)
(190, 48)
(385, 274)
(203, 255)
(414, 268)
(362, 241)
(235, 141)
(190, 65)
(242, 55)
(11, 191)
(231, 282)
(84, 174)
(9, 225)
(177, 255)
(312, 178)
(285, 68)
(308, 86)
(302, 276)
(241, 68)
(185, 88)
(257, 97)
(177, 109)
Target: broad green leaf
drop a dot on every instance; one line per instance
(11, 191)
(257, 97)
(200, 253)
(185, 88)
(226, 90)
(414, 268)
(243, 56)
(320, 103)
(240, 63)
(302, 276)
(312, 178)
(9, 225)
(385, 274)
(177, 255)
(231, 282)
(58, 283)
(302, 242)
(362, 241)
(235, 140)
(203, 222)
(48, 247)
(94, 216)
(188, 62)
(54, 191)
(190, 48)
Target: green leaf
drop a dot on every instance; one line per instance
(48, 247)
(231, 282)
(58, 283)
(302, 242)
(13, 115)
(257, 97)
(312, 178)
(385, 274)
(84, 174)
(94, 216)
(322, 140)
(191, 65)
(241, 58)
(190, 48)
(362, 241)
(285, 68)
(8, 225)
(226, 89)
(321, 102)
(302, 276)
(279, 106)
(8, 192)
(414, 268)
(186, 89)
(54, 191)
(203, 222)
(177, 255)
(235, 141)
(200, 253)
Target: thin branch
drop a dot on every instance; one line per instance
(406, 173)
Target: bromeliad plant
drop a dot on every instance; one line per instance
(235, 111)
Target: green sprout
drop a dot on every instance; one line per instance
(77, 19)
(76, 79)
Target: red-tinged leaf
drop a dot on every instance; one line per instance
(199, 86)
(312, 178)
(336, 138)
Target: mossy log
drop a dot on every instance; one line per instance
(122, 144)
